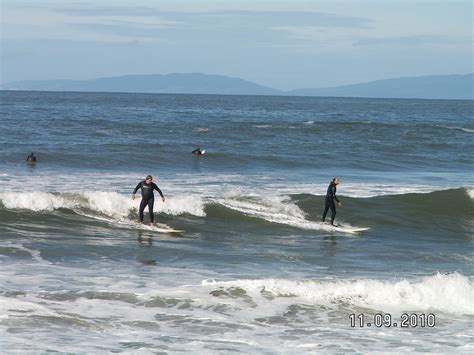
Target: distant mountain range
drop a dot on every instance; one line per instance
(423, 87)
(194, 83)
(426, 87)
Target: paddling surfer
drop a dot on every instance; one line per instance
(197, 151)
(31, 159)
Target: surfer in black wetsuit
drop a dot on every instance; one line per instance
(148, 198)
(197, 151)
(31, 159)
(330, 197)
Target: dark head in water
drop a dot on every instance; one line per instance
(31, 158)
(197, 151)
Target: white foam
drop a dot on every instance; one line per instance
(35, 201)
(180, 204)
(108, 203)
(253, 203)
(118, 309)
(208, 185)
(35, 254)
(464, 129)
(451, 293)
(470, 192)
(8, 305)
(357, 190)
(275, 209)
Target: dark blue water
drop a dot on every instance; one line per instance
(254, 269)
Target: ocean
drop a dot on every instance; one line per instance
(254, 270)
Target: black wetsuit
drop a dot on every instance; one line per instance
(31, 158)
(148, 198)
(197, 151)
(330, 197)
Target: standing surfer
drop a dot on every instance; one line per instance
(330, 197)
(148, 198)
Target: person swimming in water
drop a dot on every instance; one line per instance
(329, 203)
(148, 198)
(197, 151)
(31, 159)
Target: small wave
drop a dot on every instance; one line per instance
(309, 122)
(464, 129)
(35, 254)
(275, 209)
(105, 131)
(446, 293)
(36, 201)
(372, 190)
(108, 203)
(201, 129)
(262, 126)
(301, 211)
(450, 209)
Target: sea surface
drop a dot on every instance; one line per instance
(254, 270)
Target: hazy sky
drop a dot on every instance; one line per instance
(283, 44)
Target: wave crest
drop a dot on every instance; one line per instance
(107, 203)
(450, 293)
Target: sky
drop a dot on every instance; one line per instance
(281, 44)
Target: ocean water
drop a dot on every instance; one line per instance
(255, 271)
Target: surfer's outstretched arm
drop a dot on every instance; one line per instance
(136, 189)
(155, 187)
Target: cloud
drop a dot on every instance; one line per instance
(30, 24)
(125, 23)
(286, 18)
(413, 41)
(222, 18)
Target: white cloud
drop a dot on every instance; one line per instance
(27, 23)
(409, 41)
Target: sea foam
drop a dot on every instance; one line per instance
(470, 192)
(107, 203)
(452, 293)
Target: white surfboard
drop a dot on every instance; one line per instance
(163, 228)
(158, 227)
(349, 229)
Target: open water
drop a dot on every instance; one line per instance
(255, 271)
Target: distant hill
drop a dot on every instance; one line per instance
(425, 87)
(194, 83)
